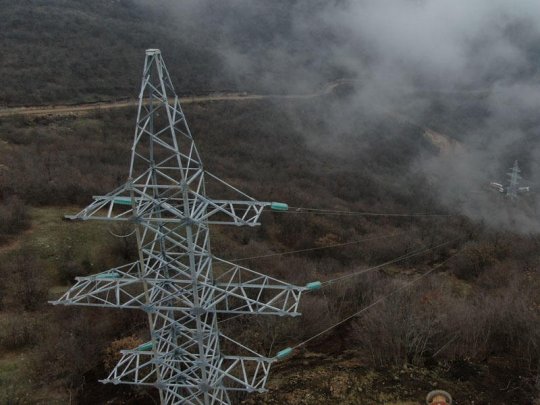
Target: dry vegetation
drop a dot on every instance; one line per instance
(479, 308)
(472, 327)
(69, 51)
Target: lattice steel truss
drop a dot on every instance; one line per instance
(174, 281)
(513, 191)
(514, 177)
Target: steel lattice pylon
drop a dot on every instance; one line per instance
(513, 182)
(173, 280)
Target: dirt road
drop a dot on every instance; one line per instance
(109, 105)
(436, 138)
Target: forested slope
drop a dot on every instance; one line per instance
(75, 51)
(82, 51)
(472, 326)
(477, 313)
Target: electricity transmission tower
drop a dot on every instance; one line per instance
(513, 187)
(513, 190)
(175, 279)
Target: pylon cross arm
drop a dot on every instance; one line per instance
(241, 373)
(117, 287)
(120, 206)
(233, 212)
(245, 373)
(236, 290)
(260, 299)
(242, 290)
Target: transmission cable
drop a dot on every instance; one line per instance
(121, 236)
(317, 211)
(290, 252)
(414, 253)
(286, 352)
(400, 258)
(306, 250)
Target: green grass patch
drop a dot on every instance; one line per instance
(56, 241)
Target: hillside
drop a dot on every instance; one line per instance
(270, 157)
(85, 51)
(381, 125)
(79, 51)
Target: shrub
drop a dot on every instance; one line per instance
(26, 283)
(17, 332)
(112, 353)
(13, 216)
(474, 258)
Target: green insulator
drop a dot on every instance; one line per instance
(122, 201)
(314, 285)
(278, 206)
(109, 275)
(284, 353)
(145, 347)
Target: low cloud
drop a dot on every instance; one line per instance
(470, 64)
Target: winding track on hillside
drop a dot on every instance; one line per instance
(65, 109)
(109, 105)
(439, 140)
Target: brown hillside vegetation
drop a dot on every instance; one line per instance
(371, 113)
(58, 51)
(472, 326)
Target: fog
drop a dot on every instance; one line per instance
(476, 60)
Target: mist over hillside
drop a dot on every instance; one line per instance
(468, 71)
(380, 122)
(392, 47)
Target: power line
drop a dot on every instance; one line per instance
(320, 211)
(317, 248)
(398, 259)
(121, 236)
(379, 300)
(317, 211)
(329, 282)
